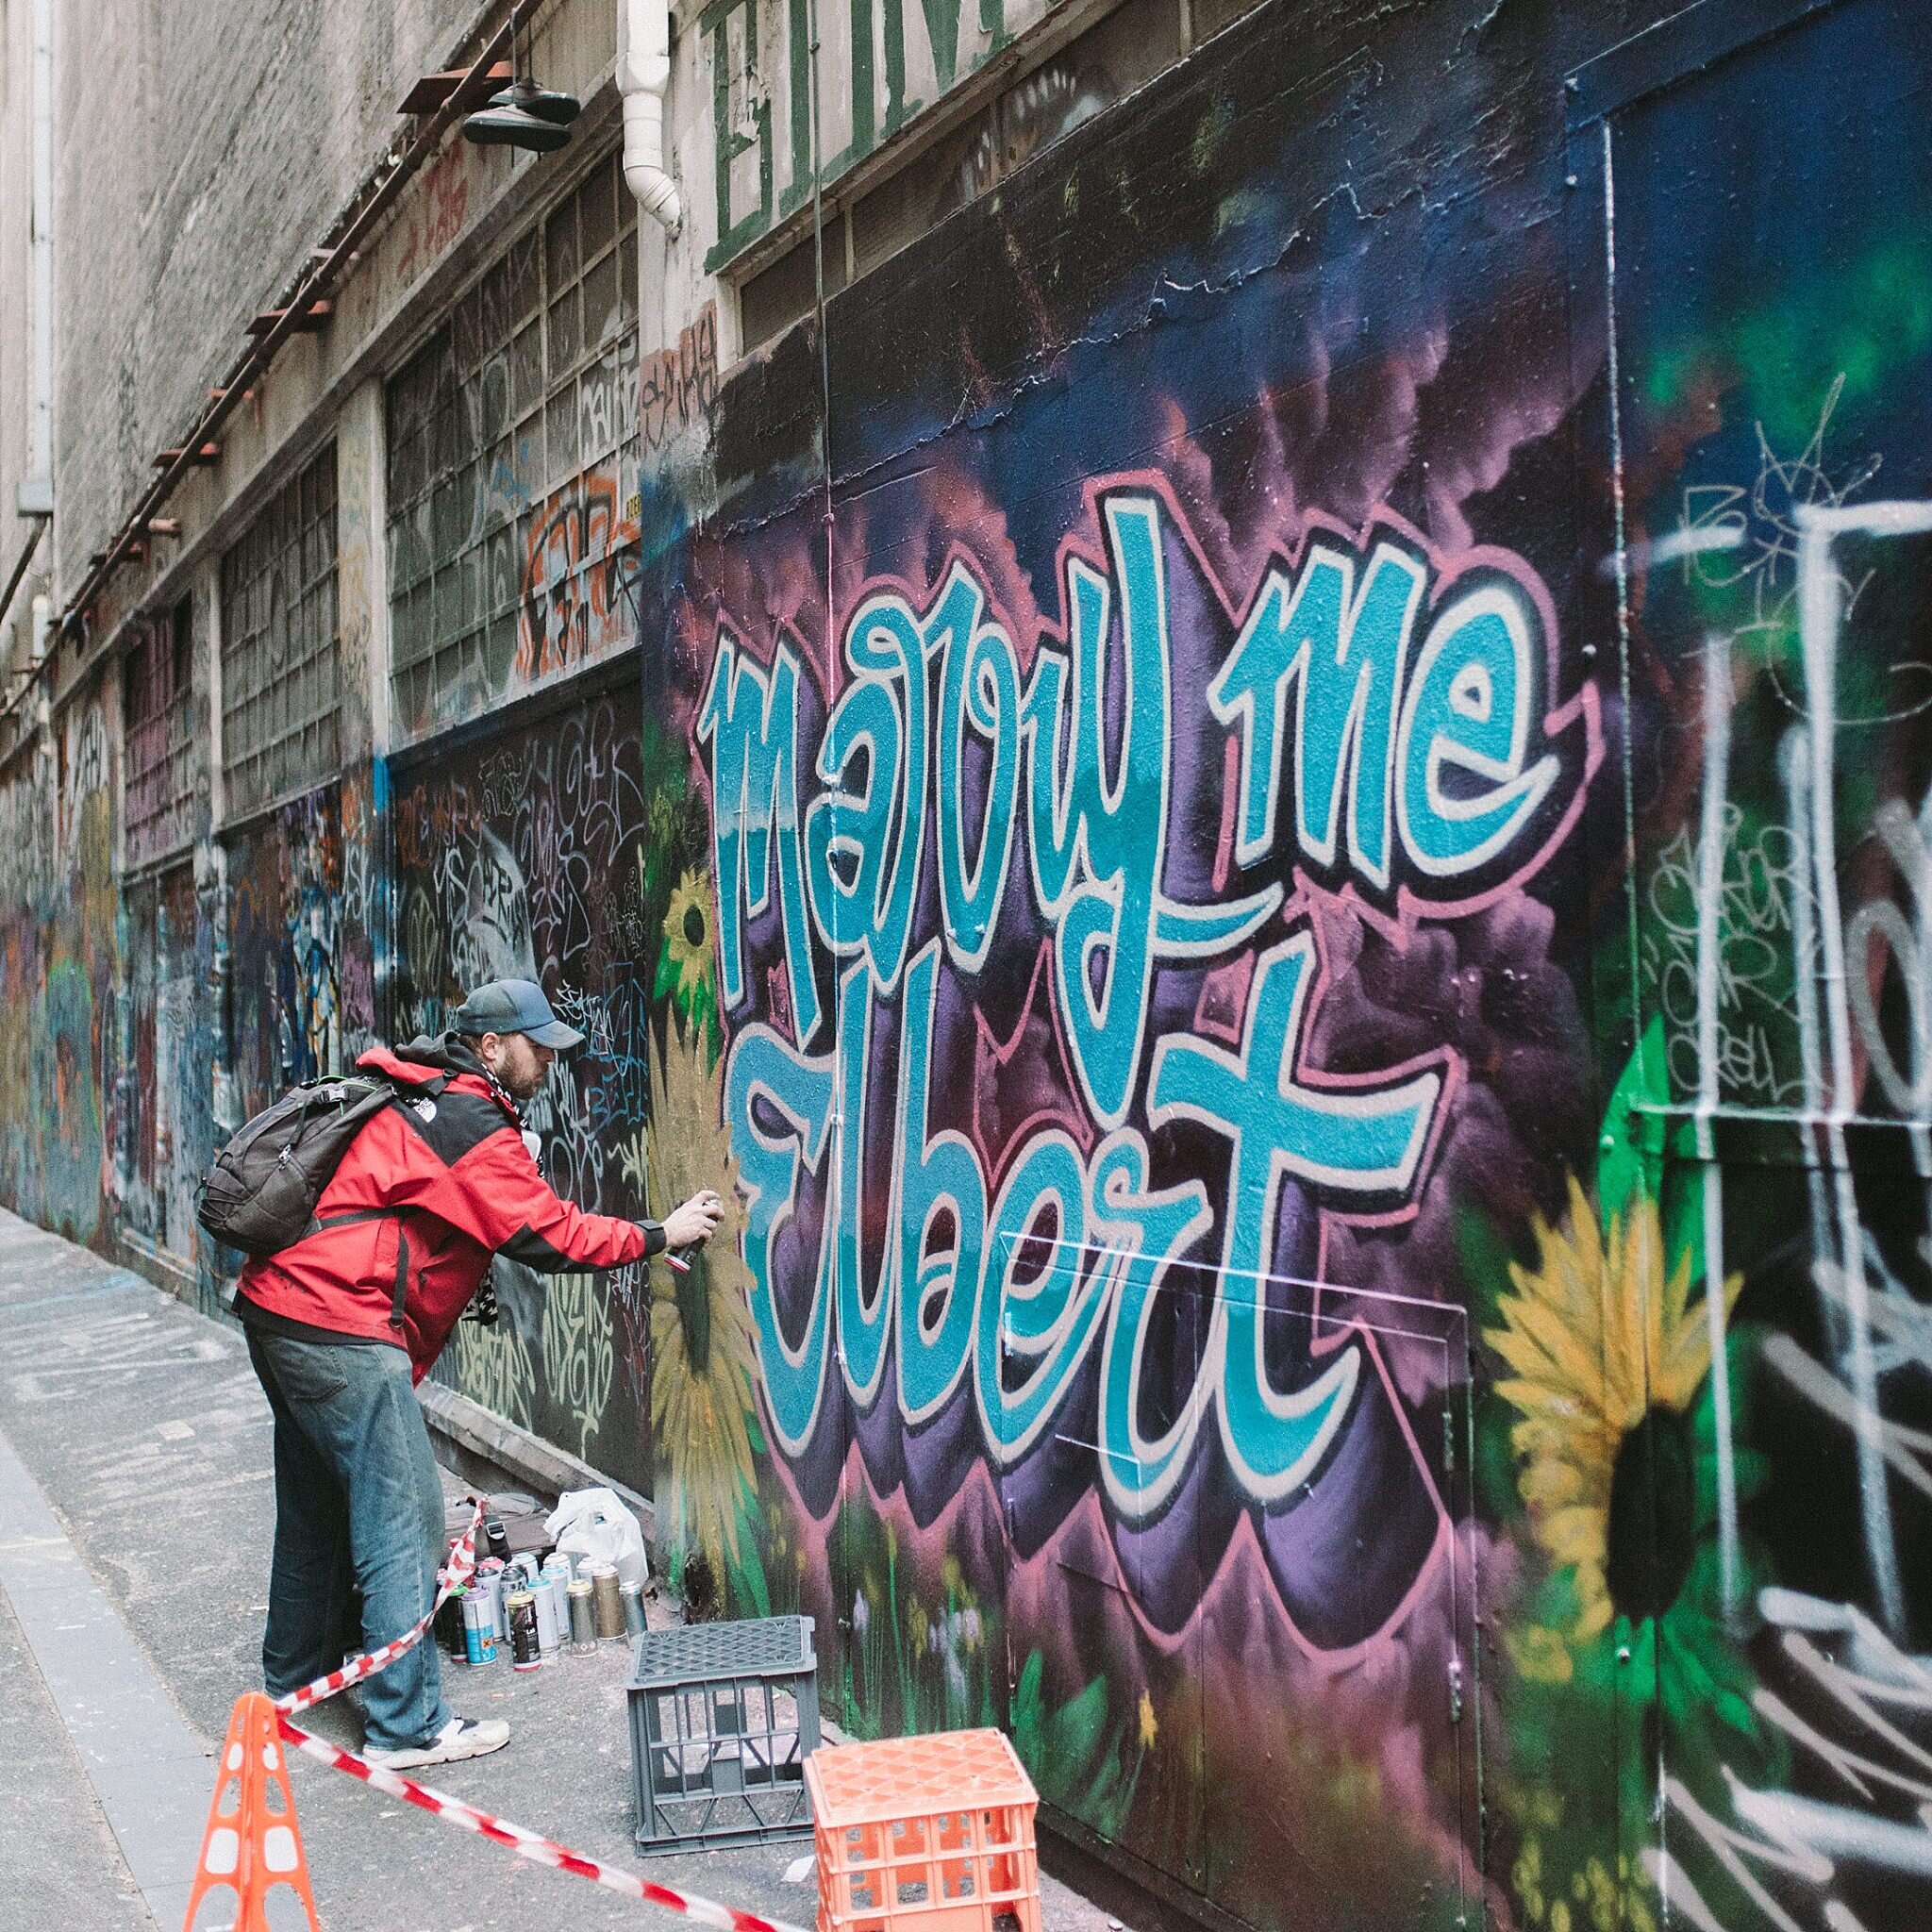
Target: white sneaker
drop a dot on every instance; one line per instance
(462, 1737)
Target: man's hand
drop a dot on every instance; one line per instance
(692, 1222)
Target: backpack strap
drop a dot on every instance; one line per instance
(403, 1090)
(319, 1223)
(402, 1287)
(430, 1089)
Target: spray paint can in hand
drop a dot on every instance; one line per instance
(583, 1618)
(525, 1653)
(479, 1629)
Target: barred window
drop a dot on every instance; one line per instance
(158, 685)
(281, 672)
(513, 465)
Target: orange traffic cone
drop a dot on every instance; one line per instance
(249, 1847)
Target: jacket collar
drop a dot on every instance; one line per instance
(423, 1058)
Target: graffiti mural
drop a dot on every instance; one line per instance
(1304, 1040)
(57, 1050)
(165, 1139)
(1264, 806)
(577, 600)
(522, 860)
(284, 887)
(1772, 565)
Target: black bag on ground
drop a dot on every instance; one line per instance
(260, 1193)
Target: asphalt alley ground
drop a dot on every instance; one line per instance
(136, 1513)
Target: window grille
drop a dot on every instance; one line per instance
(512, 462)
(158, 685)
(281, 672)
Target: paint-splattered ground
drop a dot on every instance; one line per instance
(142, 1425)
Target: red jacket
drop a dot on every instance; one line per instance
(428, 1190)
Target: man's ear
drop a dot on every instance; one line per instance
(487, 1047)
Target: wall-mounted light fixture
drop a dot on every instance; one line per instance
(523, 116)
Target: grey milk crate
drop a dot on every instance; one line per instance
(723, 1717)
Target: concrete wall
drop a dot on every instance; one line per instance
(195, 167)
(1262, 806)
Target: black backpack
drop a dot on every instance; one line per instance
(260, 1193)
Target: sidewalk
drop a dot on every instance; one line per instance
(136, 1513)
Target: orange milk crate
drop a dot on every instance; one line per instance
(931, 1834)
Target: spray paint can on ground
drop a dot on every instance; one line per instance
(479, 1629)
(583, 1618)
(549, 1623)
(609, 1601)
(555, 1583)
(489, 1585)
(633, 1595)
(520, 1608)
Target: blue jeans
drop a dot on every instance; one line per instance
(359, 1507)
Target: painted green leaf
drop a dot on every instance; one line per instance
(1620, 1169)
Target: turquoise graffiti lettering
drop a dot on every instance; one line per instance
(864, 1326)
(1098, 817)
(1467, 713)
(1363, 1140)
(980, 690)
(962, 1302)
(1343, 650)
(1373, 731)
(938, 1180)
(765, 1078)
(863, 847)
(751, 722)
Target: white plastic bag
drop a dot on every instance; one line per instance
(593, 1524)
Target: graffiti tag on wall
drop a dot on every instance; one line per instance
(1374, 723)
(677, 386)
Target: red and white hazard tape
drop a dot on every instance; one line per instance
(528, 1844)
(450, 1578)
(522, 1841)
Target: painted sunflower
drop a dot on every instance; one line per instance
(688, 937)
(1608, 1358)
(1609, 1407)
(703, 1362)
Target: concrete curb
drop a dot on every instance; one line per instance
(147, 1767)
(485, 1449)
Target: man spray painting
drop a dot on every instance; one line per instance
(343, 1322)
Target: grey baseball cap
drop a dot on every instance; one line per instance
(513, 1006)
